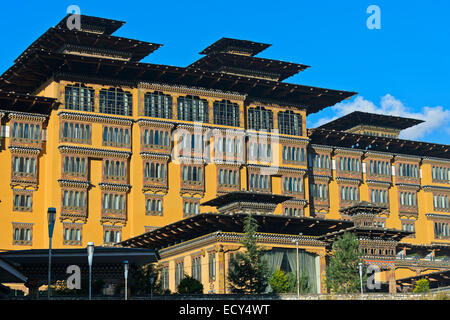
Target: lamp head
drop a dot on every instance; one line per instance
(51, 218)
(90, 252)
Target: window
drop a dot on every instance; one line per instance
(228, 148)
(155, 171)
(349, 164)
(154, 206)
(114, 169)
(192, 174)
(158, 105)
(441, 202)
(179, 273)
(409, 225)
(116, 136)
(379, 196)
(116, 101)
(408, 199)
(74, 166)
(228, 177)
(260, 151)
(72, 233)
(191, 207)
(441, 230)
(408, 170)
(259, 119)
(226, 113)
(22, 234)
(319, 161)
(158, 139)
(114, 203)
(349, 193)
(74, 200)
(24, 166)
(79, 97)
(293, 185)
(165, 277)
(319, 191)
(192, 143)
(112, 234)
(293, 212)
(290, 123)
(259, 182)
(377, 167)
(197, 268)
(22, 201)
(192, 108)
(293, 154)
(26, 132)
(76, 132)
(440, 174)
(212, 266)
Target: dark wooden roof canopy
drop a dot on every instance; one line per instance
(206, 223)
(382, 144)
(356, 118)
(39, 66)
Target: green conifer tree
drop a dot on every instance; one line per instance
(248, 273)
(343, 269)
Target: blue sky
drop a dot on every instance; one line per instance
(402, 68)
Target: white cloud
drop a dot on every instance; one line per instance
(436, 118)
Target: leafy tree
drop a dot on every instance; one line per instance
(248, 272)
(422, 286)
(343, 269)
(142, 277)
(190, 285)
(303, 282)
(279, 282)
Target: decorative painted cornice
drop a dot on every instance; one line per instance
(348, 180)
(17, 115)
(282, 170)
(430, 160)
(317, 147)
(65, 183)
(67, 115)
(437, 216)
(429, 188)
(408, 186)
(301, 141)
(163, 123)
(320, 177)
(385, 184)
(342, 150)
(107, 186)
(154, 156)
(192, 91)
(228, 163)
(24, 150)
(102, 153)
(405, 157)
(377, 154)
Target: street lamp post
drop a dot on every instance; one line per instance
(125, 266)
(51, 218)
(360, 265)
(90, 252)
(298, 276)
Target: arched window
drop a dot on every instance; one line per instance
(226, 113)
(192, 108)
(290, 123)
(260, 118)
(158, 105)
